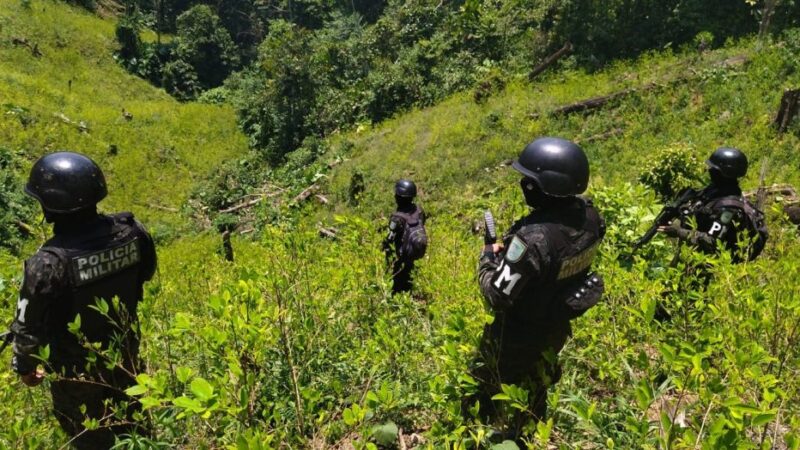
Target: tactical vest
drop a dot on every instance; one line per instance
(572, 243)
(749, 216)
(102, 263)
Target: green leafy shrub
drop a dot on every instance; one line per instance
(206, 46)
(180, 79)
(672, 169)
(15, 207)
(127, 34)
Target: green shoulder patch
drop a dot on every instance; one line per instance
(516, 250)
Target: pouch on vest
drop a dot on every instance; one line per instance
(756, 224)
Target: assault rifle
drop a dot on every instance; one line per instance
(5, 339)
(670, 212)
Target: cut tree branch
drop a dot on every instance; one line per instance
(550, 60)
(303, 196)
(598, 102)
(244, 205)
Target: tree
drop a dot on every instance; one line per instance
(206, 46)
(275, 100)
(127, 33)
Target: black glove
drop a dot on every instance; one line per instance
(675, 230)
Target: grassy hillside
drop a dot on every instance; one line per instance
(726, 97)
(298, 344)
(56, 72)
(160, 154)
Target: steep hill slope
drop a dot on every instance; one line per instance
(725, 97)
(60, 88)
(298, 344)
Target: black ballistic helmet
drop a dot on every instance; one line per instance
(66, 182)
(729, 162)
(558, 166)
(405, 188)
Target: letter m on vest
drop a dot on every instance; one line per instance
(506, 278)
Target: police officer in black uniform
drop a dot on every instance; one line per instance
(407, 211)
(537, 280)
(722, 213)
(91, 260)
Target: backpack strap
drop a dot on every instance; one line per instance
(754, 215)
(409, 219)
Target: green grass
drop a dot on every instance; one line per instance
(300, 318)
(453, 149)
(162, 152)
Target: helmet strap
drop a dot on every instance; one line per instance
(536, 198)
(403, 201)
(719, 180)
(64, 222)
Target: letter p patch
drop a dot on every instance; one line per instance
(716, 227)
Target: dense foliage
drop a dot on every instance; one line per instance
(14, 207)
(297, 343)
(323, 66)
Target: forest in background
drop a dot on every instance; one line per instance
(297, 342)
(298, 70)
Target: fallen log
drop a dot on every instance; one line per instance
(159, 207)
(303, 196)
(787, 192)
(24, 228)
(601, 136)
(598, 102)
(330, 233)
(550, 60)
(244, 205)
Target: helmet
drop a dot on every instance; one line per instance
(730, 162)
(66, 182)
(558, 166)
(405, 188)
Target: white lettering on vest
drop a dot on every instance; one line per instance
(106, 262)
(22, 305)
(506, 277)
(715, 227)
(577, 263)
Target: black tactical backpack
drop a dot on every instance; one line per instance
(414, 242)
(757, 226)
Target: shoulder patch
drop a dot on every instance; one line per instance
(726, 216)
(516, 250)
(392, 224)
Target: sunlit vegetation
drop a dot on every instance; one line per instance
(297, 343)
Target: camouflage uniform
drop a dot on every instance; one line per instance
(112, 256)
(546, 260)
(401, 267)
(723, 215)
